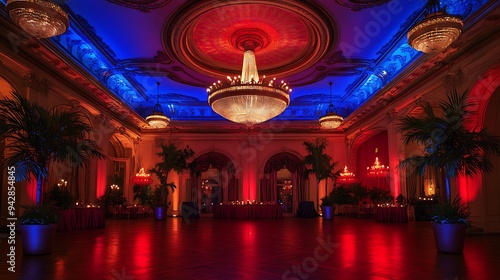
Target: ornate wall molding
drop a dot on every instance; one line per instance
(33, 81)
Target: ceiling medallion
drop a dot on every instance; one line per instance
(248, 98)
(437, 31)
(39, 18)
(331, 119)
(291, 36)
(157, 119)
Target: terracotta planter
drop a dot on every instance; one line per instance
(38, 239)
(450, 238)
(160, 212)
(328, 212)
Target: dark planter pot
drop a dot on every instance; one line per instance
(450, 238)
(328, 212)
(38, 239)
(160, 212)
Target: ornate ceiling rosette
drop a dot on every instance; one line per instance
(144, 6)
(358, 5)
(289, 36)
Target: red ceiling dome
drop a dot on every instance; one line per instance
(288, 36)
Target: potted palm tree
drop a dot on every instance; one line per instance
(449, 147)
(450, 220)
(175, 159)
(38, 137)
(38, 228)
(319, 163)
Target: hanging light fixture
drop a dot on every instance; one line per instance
(331, 120)
(437, 31)
(346, 177)
(157, 119)
(249, 99)
(39, 18)
(377, 169)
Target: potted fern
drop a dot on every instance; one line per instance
(327, 207)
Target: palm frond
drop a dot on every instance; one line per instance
(447, 142)
(38, 136)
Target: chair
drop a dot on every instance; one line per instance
(123, 212)
(411, 213)
(360, 213)
(113, 211)
(147, 211)
(140, 212)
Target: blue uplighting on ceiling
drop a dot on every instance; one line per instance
(389, 65)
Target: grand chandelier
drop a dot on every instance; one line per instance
(157, 119)
(331, 120)
(249, 99)
(39, 18)
(437, 31)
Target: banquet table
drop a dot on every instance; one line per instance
(306, 210)
(391, 214)
(67, 220)
(248, 211)
(87, 218)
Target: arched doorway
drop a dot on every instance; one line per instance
(482, 192)
(283, 181)
(214, 181)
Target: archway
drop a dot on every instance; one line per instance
(269, 184)
(214, 180)
(482, 192)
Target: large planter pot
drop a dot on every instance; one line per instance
(38, 239)
(160, 212)
(328, 212)
(450, 238)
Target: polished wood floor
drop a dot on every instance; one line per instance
(288, 248)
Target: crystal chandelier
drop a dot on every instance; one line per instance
(142, 178)
(248, 99)
(437, 31)
(157, 119)
(39, 18)
(377, 169)
(331, 120)
(346, 177)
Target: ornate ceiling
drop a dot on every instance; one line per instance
(128, 46)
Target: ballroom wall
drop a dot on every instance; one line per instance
(474, 66)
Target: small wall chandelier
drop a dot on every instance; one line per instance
(157, 119)
(377, 169)
(142, 178)
(331, 120)
(248, 99)
(437, 31)
(39, 18)
(346, 177)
